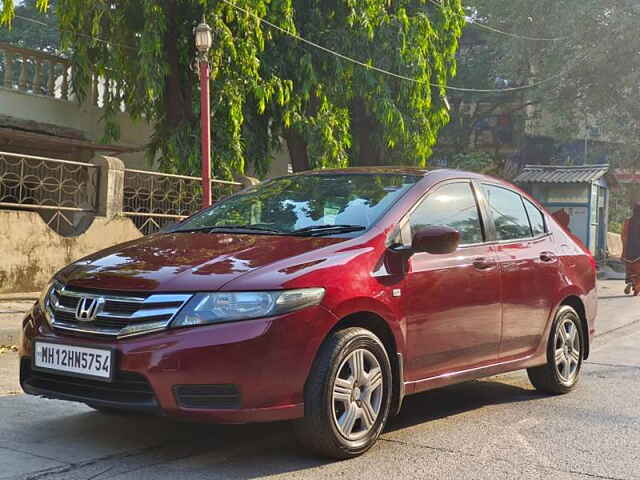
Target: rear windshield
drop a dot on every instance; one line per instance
(292, 203)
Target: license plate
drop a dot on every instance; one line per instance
(96, 363)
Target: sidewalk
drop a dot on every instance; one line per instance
(12, 311)
(13, 307)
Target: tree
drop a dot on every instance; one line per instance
(347, 114)
(582, 57)
(34, 35)
(266, 85)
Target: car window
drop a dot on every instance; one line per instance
(508, 213)
(291, 203)
(535, 217)
(453, 205)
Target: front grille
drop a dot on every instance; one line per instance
(107, 323)
(214, 397)
(115, 314)
(130, 390)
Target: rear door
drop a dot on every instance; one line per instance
(452, 301)
(528, 264)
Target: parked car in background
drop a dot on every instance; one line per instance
(324, 297)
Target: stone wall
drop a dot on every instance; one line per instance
(31, 252)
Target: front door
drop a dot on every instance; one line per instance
(452, 301)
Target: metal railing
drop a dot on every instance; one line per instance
(154, 200)
(60, 190)
(35, 72)
(65, 193)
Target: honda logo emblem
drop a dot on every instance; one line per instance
(88, 308)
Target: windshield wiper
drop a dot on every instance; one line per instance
(224, 228)
(328, 229)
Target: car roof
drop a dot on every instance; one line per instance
(377, 170)
(443, 173)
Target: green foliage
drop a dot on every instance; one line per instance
(621, 200)
(480, 162)
(8, 9)
(31, 35)
(266, 85)
(615, 227)
(352, 115)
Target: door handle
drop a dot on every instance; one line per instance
(548, 257)
(482, 263)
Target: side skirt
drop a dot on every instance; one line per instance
(474, 373)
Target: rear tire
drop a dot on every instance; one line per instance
(347, 395)
(565, 353)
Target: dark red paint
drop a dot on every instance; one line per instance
(478, 311)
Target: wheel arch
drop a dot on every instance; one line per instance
(577, 304)
(380, 328)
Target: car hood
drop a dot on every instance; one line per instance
(185, 261)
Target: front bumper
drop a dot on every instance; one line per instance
(248, 371)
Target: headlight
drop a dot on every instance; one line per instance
(206, 308)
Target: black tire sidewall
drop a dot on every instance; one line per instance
(371, 343)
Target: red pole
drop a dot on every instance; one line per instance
(205, 133)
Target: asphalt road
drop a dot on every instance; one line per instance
(495, 428)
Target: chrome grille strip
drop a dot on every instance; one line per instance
(140, 314)
(108, 297)
(114, 318)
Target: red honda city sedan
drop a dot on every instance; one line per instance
(324, 297)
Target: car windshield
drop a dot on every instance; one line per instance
(307, 204)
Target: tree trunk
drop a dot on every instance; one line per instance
(364, 130)
(297, 150)
(177, 98)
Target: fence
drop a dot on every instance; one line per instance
(154, 200)
(60, 190)
(69, 194)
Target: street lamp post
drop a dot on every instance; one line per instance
(203, 44)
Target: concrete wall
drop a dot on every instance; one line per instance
(83, 117)
(614, 244)
(31, 252)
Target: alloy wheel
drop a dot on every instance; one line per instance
(567, 350)
(357, 394)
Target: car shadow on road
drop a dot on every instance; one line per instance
(460, 398)
(284, 456)
(166, 448)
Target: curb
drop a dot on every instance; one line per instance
(19, 297)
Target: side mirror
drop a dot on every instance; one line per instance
(436, 240)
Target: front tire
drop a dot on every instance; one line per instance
(347, 395)
(565, 353)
